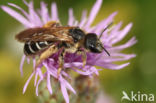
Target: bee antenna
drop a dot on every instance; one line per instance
(105, 29)
(106, 51)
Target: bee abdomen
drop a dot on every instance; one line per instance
(31, 47)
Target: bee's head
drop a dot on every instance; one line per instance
(93, 43)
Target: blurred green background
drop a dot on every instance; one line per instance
(140, 75)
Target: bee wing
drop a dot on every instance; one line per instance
(45, 34)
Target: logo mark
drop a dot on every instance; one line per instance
(125, 96)
(137, 96)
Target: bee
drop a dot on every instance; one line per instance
(52, 37)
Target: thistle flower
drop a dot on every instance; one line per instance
(37, 18)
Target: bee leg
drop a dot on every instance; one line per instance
(61, 62)
(84, 56)
(51, 50)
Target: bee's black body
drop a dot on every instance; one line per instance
(90, 42)
(32, 47)
(53, 37)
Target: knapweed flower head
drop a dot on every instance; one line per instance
(37, 18)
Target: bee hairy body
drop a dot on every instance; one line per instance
(52, 37)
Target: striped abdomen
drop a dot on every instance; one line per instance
(32, 48)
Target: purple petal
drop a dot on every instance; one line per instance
(116, 67)
(49, 83)
(83, 19)
(113, 34)
(112, 66)
(36, 77)
(91, 29)
(25, 2)
(54, 13)
(21, 64)
(122, 33)
(75, 23)
(131, 42)
(66, 75)
(69, 86)
(19, 8)
(34, 62)
(40, 73)
(17, 16)
(73, 64)
(64, 92)
(93, 12)
(33, 16)
(122, 58)
(39, 81)
(71, 17)
(53, 73)
(44, 13)
(50, 70)
(117, 57)
(103, 24)
(28, 60)
(82, 72)
(27, 82)
(94, 70)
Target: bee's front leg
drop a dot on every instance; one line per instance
(47, 53)
(84, 56)
(61, 61)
